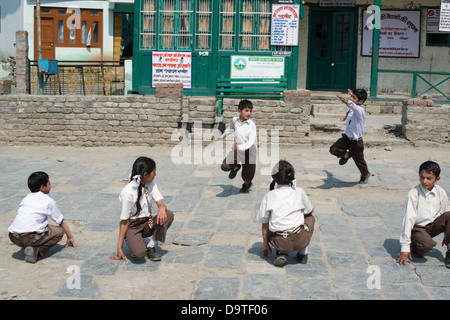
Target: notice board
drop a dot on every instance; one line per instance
(399, 34)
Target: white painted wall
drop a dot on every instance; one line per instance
(75, 53)
(11, 20)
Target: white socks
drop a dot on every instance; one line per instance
(152, 243)
(304, 251)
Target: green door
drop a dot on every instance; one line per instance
(332, 49)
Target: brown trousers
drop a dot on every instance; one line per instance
(356, 150)
(248, 160)
(139, 229)
(423, 236)
(296, 241)
(45, 240)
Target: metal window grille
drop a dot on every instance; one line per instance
(147, 25)
(203, 31)
(227, 28)
(175, 17)
(254, 19)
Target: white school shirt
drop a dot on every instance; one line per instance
(33, 214)
(284, 208)
(422, 207)
(245, 133)
(355, 121)
(128, 197)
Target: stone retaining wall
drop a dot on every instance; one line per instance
(289, 118)
(138, 120)
(89, 121)
(425, 123)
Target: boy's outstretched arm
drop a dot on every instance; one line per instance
(69, 235)
(341, 98)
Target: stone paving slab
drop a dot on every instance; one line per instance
(213, 247)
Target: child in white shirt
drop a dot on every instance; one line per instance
(351, 145)
(136, 198)
(427, 214)
(244, 149)
(30, 228)
(286, 216)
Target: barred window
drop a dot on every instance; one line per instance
(255, 25)
(244, 25)
(203, 36)
(147, 25)
(227, 24)
(175, 24)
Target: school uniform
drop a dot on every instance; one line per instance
(138, 227)
(352, 138)
(31, 228)
(245, 137)
(288, 212)
(427, 214)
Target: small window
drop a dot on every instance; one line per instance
(60, 31)
(438, 39)
(72, 31)
(95, 33)
(83, 31)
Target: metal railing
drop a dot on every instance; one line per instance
(419, 75)
(81, 78)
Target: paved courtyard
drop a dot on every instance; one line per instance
(212, 250)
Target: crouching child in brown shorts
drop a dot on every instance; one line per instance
(286, 216)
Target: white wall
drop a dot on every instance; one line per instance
(11, 20)
(69, 53)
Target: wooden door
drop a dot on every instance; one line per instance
(47, 39)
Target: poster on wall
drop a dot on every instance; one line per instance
(285, 23)
(399, 34)
(444, 20)
(257, 67)
(433, 17)
(172, 67)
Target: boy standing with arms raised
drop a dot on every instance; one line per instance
(351, 145)
(244, 149)
(427, 214)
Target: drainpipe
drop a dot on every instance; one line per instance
(375, 49)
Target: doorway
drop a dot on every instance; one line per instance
(47, 38)
(332, 49)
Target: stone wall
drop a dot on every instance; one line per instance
(139, 120)
(425, 123)
(290, 118)
(88, 120)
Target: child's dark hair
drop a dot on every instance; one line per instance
(245, 104)
(36, 180)
(361, 94)
(140, 166)
(283, 174)
(430, 166)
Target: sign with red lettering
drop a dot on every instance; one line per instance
(285, 23)
(399, 34)
(172, 67)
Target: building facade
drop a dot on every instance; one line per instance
(332, 51)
